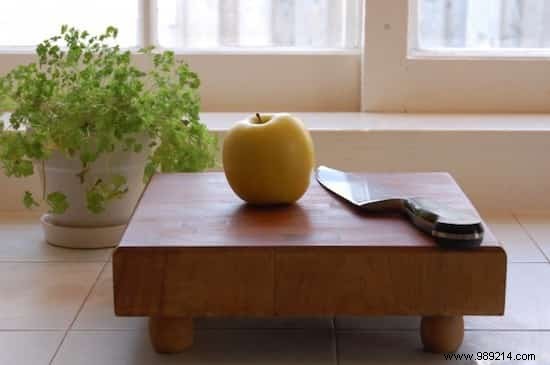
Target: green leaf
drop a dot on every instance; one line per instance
(58, 202)
(6, 103)
(150, 169)
(87, 156)
(28, 200)
(95, 201)
(118, 181)
(25, 168)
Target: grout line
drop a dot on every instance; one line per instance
(282, 329)
(524, 228)
(32, 330)
(528, 261)
(506, 330)
(350, 330)
(7, 261)
(78, 313)
(390, 330)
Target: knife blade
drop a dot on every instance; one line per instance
(451, 228)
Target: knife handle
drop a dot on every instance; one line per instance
(450, 228)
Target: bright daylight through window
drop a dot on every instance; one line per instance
(259, 23)
(25, 23)
(197, 24)
(484, 24)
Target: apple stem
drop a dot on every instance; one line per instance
(259, 118)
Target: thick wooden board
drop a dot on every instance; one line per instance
(193, 249)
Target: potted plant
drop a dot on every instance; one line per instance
(96, 128)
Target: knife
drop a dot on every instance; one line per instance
(451, 228)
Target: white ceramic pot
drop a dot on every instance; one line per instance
(77, 226)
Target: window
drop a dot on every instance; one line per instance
(487, 24)
(456, 56)
(259, 23)
(185, 24)
(325, 55)
(251, 55)
(24, 23)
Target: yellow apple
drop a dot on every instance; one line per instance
(268, 159)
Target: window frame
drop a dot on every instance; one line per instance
(389, 75)
(399, 78)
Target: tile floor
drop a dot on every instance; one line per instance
(56, 308)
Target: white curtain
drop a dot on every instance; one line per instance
(259, 23)
(484, 23)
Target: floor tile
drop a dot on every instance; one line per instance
(22, 240)
(518, 245)
(98, 314)
(382, 348)
(226, 347)
(527, 301)
(28, 348)
(390, 348)
(538, 226)
(98, 311)
(43, 295)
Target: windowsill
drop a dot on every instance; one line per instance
(338, 122)
(461, 54)
(400, 122)
(218, 51)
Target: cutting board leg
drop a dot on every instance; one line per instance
(170, 335)
(441, 334)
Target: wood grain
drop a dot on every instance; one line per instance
(386, 281)
(170, 335)
(200, 210)
(442, 334)
(205, 282)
